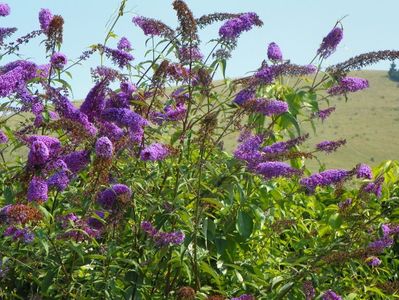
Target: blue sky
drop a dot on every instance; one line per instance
(298, 26)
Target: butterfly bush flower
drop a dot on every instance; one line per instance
(281, 147)
(160, 238)
(244, 297)
(124, 44)
(152, 27)
(381, 244)
(243, 96)
(124, 117)
(59, 180)
(330, 146)
(112, 131)
(58, 60)
(39, 154)
(345, 204)
(97, 221)
(128, 87)
(330, 42)
(324, 114)
(80, 230)
(265, 75)
(374, 187)
(233, 28)
(45, 17)
(188, 54)
(3, 137)
(17, 234)
(349, 85)
(270, 107)
(6, 32)
(373, 261)
(325, 178)
(4, 9)
(364, 171)
(53, 144)
(118, 193)
(274, 52)
(104, 148)
(331, 295)
(248, 150)
(309, 290)
(119, 57)
(77, 161)
(37, 190)
(275, 169)
(169, 114)
(155, 152)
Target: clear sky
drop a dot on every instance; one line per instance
(298, 26)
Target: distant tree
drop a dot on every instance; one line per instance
(393, 73)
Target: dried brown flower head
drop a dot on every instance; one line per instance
(188, 25)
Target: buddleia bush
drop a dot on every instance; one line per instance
(131, 194)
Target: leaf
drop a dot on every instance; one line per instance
(8, 195)
(284, 290)
(244, 224)
(335, 220)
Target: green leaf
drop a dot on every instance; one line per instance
(244, 224)
(335, 220)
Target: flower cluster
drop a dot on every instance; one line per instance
(274, 52)
(349, 85)
(112, 198)
(160, 238)
(233, 28)
(330, 146)
(331, 295)
(58, 60)
(333, 176)
(155, 152)
(330, 42)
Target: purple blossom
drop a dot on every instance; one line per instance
(149, 26)
(52, 143)
(232, 28)
(281, 147)
(373, 261)
(374, 187)
(104, 147)
(112, 131)
(124, 117)
(77, 161)
(274, 52)
(309, 290)
(345, 204)
(94, 102)
(270, 107)
(6, 32)
(244, 297)
(386, 230)
(248, 150)
(124, 44)
(324, 114)
(17, 234)
(45, 17)
(330, 42)
(97, 221)
(330, 146)
(37, 190)
(160, 238)
(266, 75)
(274, 169)
(188, 54)
(128, 87)
(39, 154)
(4, 9)
(364, 171)
(119, 57)
(108, 199)
(3, 137)
(331, 295)
(325, 178)
(349, 85)
(10, 81)
(243, 96)
(169, 114)
(155, 152)
(381, 244)
(59, 180)
(58, 60)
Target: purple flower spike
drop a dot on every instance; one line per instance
(330, 146)
(364, 171)
(331, 295)
(38, 154)
(244, 297)
(325, 178)
(45, 17)
(155, 152)
(3, 137)
(274, 52)
(243, 96)
(124, 44)
(373, 261)
(274, 169)
(233, 28)
(37, 190)
(270, 107)
(349, 85)
(4, 9)
(104, 148)
(330, 42)
(58, 60)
